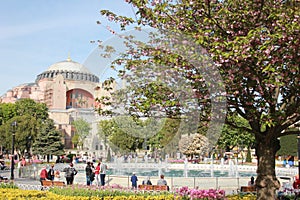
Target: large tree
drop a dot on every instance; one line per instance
(7, 111)
(82, 130)
(116, 137)
(28, 114)
(30, 107)
(254, 45)
(235, 135)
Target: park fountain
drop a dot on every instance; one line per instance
(185, 169)
(231, 168)
(222, 161)
(236, 168)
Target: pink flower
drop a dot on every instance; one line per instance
(200, 194)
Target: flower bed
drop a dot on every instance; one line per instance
(186, 193)
(9, 191)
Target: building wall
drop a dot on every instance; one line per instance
(59, 93)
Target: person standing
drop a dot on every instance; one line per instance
(97, 173)
(103, 168)
(43, 175)
(88, 173)
(70, 172)
(51, 173)
(19, 169)
(23, 162)
(92, 177)
(134, 181)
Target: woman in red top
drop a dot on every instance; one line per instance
(23, 162)
(97, 172)
(43, 175)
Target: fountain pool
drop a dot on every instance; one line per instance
(178, 172)
(183, 170)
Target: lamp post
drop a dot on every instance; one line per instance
(298, 137)
(14, 126)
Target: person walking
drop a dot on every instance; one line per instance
(103, 168)
(70, 172)
(134, 181)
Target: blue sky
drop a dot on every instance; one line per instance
(35, 34)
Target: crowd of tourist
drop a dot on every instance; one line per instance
(93, 174)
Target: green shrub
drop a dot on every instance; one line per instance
(89, 192)
(248, 156)
(8, 185)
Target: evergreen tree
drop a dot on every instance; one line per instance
(288, 146)
(48, 141)
(248, 156)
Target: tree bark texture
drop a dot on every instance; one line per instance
(266, 181)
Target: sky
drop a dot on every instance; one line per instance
(35, 34)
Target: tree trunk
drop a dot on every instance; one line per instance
(266, 181)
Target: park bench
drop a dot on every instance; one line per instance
(153, 187)
(248, 189)
(47, 183)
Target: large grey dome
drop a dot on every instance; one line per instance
(70, 70)
(68, 65)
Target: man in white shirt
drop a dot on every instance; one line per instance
(103, 168)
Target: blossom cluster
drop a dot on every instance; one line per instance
(185, 192)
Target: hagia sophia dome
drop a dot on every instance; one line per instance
(68, 65)
(70, 70)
